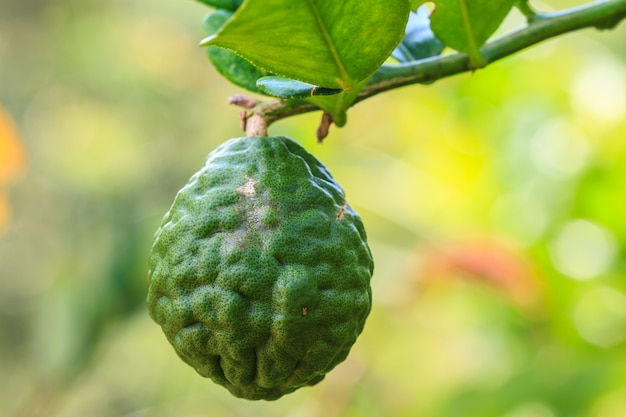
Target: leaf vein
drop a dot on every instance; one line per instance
(467, 23)
(330, 43)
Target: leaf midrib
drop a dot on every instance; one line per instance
(345, 77)
(473, 50)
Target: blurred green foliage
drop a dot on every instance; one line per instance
(494, 204)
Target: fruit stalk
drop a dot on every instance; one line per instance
(255, 125)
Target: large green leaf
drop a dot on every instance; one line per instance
(332, 44)
(413, 4)
(465, 25)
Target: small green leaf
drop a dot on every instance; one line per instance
(234, 68)
(420, 41)
(465, 25)
(231, 5)
(333, 44)
(286, 88)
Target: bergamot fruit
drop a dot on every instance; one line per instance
(260, 271)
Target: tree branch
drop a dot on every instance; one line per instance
(601, 14)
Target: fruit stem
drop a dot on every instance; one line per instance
(255, 125)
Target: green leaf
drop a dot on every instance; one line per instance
(420, 41)
(465, 25)
(231, 5)
(333, 44)
(234, 68)
(286, 88)
(414, 4)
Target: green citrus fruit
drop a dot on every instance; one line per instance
(260, 271)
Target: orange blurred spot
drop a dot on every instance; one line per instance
(489, 262)
(12, 161)
(12, 154)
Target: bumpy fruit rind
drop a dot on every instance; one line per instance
(260, 272)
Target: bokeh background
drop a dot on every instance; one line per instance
(495, 204)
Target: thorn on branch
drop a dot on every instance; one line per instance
(324, 127)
